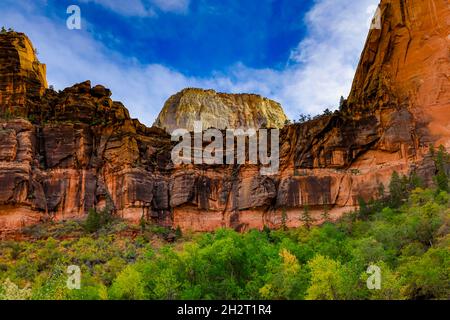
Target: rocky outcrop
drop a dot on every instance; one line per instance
(22, 76)
(406, 62)
(77, 149)
(405, 65)
(219, 110)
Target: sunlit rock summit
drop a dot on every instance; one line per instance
(220, 111)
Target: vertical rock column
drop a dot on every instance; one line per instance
(22, 76)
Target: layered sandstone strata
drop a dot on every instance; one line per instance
(219, 110)
(77, 149)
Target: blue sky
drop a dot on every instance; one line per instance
(302, 53)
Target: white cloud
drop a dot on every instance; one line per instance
(320, 70)
(179, 6)
(323, 65)
(127, 8)
(142, 8)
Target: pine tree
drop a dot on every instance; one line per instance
(341, 103)
(432, 151)
(381, 191)
(284, 218)
(306, 217)
(326, 213)
(442, 160)
(96, 220)
(304, 118)
(415, 181)
(395, 190)
(363, 208)
(142, 223)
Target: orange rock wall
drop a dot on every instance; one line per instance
(78, 149)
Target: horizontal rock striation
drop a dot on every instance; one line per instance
(219, 110)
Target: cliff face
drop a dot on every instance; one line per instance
(77, 149)
(22, 76)
(218, 110)
(406, 64)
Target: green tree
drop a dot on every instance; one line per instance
(92, 223)
(397, 189)
(364, 209)
(427, 277)
(284, 218)
(326, 213)
(326, 279)
(415, 181)
(166, 286)
(285, 280)
(52, 286)
(128, 285)
(342, 103)
(391, 284)
(381, 191)
(442, 161)
(304, 118)
(97, 219)
(306, 217)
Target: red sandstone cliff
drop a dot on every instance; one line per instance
(63, 153)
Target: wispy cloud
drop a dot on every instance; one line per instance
(127, 8)
(142, 8)
(177, 6)
(320, 69)
(323, 65)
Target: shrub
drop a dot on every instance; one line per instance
(10, 291)
(96, 220)
(128, 285)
